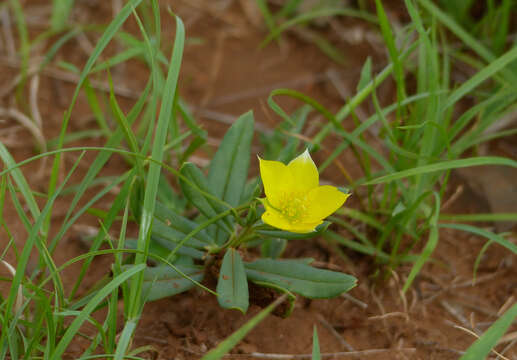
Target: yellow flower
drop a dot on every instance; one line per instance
(294, 200)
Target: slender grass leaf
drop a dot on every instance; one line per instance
(480, 217)
(389, 39)
(229, 343)
(153, 175)
(484, 233)
(74, 327)
(316, 354)
(444, 165)
(60, 12)
(366, 74)
(484, 74)
(429, 246)
(20, 181)
(482, 346)
(106, 37)
(311, 15)
(124, 339)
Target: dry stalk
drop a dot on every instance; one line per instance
(342, 354)
(477, 336)
(334, 333)
(27, 123)
(19, 297)
(8, 34)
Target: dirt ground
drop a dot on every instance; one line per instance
(224, 74)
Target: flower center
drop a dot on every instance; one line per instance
(293, 206)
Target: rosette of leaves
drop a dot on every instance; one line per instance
(226, 225)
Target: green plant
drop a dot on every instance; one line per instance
(198, 228)
(227, 227)
(423, 136)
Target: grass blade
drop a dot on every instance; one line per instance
(484, 233)
(482, 346)
(229, 343)
(72, 330)
(444, 165)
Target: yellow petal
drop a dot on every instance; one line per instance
(276, 179)
(323, 201)
(305, 227)
(274, 218)
(304, 172)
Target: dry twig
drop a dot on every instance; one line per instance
(333, 331)
(342, 354)
(27, 123)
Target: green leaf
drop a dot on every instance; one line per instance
(136, 198)
(231, 341)
(168, 196)
(273, 248)
(155, 249)
(251, 190)
(229, 167)
(20, 181)
(316, 355)
(366, 74)
(60, 12)
(161, 229)
(484, 74)
(196, 191)
(389, 39)
(163, 281)
(183, 250)
(166, 116)
(74, 327)
(444, 165)
(429, 246)
(300, 278)
(180, 223)
(481, 232)
(480, 217)
(310, 15)
(483, 345)
(232, 286)
(294, 236)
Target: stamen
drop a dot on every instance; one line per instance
(293, 206)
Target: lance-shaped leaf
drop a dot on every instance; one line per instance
(183, 250)
(155, 249)
(273, 248)
(163, 281)
(232, 286)
(160, 229)
(229, 167)
(180, 223)
(300, 278)
(196, 191)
